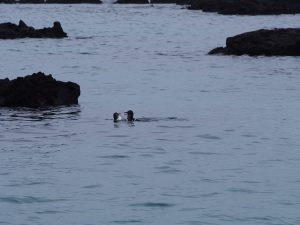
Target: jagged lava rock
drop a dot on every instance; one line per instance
(13, 31)
(276, 42)
(37, 90)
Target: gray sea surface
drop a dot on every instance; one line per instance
(223, 145)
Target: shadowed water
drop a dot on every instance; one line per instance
(220, 144)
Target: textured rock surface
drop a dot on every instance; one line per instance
(277, 42)
(37, 90)
(247, 7)
(13, 31)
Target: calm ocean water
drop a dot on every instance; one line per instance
(230, 154)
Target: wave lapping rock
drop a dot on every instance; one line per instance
(247, 7)
(37, 90)
(276, 42)
(13, 31)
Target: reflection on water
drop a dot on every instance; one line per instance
(40, 114)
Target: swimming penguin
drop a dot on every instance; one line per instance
(117, 117)
(130, 117)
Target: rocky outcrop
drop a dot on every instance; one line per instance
(247, 7)
(37, 90)
(277, 42)
(183, 2)
(145, 2)
(13, 31)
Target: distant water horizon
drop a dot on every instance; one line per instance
(231, 156)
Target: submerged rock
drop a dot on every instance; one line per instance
(277, 42)
(37, 90)
(247, 7)
(13, 31)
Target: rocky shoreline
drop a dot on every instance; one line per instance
(13, 31)
(276, 42)
(37, 90)
(247, 7)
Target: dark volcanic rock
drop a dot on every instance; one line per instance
(183, 2)
(13, 31)
(8, 1)
(277, 42)
(247, 7)
(74, 1)
(37, 90)
(163, 1)
(145, 2)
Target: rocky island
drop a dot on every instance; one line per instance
(247, 7)
(13, 31)
(37, 90)
(276, 42)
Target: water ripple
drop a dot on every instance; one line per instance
(127, 221)
(115, 157)
(154, 205)
(27, 200)
(208, 136)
